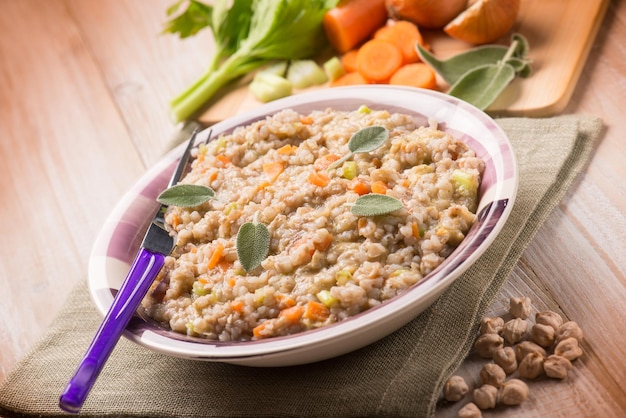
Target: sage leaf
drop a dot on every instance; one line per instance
(374, 204)
(364, 140)
(482, 85)
(368, 139)
(455, 67)
(253, 244)
(186, 195)
(521, 45)
(521, 66)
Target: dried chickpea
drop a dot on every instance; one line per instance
(542, 334)
(470, 410)
(486, 344)
(491, 325)
(550, 318)
(520, 307)
(556, 366)
(568, 330)
(486, 396)
(515, 330)
(525, 347)
(455, 389)
(513, 392)
(531, 367)
(492, 374)
(569, 349)
(505, 358)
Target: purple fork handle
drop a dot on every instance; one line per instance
(142, 273)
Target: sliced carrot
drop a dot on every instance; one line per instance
(352, 21)
(272, 170)
(348, 60)
(292, 314)
(175, 220)
(416, 75)
(237, 306)
(349, 79)
(318, 179)
(415, 230)
(285, 301)
(231, 282)
(324, 162)
(359, 186)
(223, 159)
(379, 187)
(405, 35)
(377, 60)
(316, 311)
(263, 185)
(216, 255)
(258, 330)
(287, 149)
(306, 120)
(213, 176)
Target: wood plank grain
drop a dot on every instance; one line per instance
(143, 69)
(575, 265)
(59, 176)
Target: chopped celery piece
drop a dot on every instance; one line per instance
(267, 87)
(326, 298)
(277, 68)
(464, 182)
(228, 209)
(198, 289)
(349, 170)
(365, 109)
(305, 73)
(343, 276)
(398, 272)
(219, 144)
(333, 68)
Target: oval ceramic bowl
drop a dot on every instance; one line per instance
(120, 237)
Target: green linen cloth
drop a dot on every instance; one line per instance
(401, 375)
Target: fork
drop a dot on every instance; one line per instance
(156, 245)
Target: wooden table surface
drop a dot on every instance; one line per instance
(84, 86)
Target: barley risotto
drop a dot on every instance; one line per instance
(324, 263)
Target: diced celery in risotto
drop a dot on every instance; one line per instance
(324, 263)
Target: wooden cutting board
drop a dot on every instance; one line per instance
(560, 34)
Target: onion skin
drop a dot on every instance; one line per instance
(431, 14)
(485, 21)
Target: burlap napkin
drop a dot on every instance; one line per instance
(401, 375)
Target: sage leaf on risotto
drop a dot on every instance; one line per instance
(365, 140)
(186, 195)
(253, 243)
(375, 204)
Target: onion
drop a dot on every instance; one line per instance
(485, 21)
(431, 14)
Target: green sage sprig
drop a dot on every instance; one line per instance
(374, 204)
(186, 195)
(253, 244)
(364, 140)
(479, 75)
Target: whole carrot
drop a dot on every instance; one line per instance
(353, 21)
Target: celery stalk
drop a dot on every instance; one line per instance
(249, 34)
